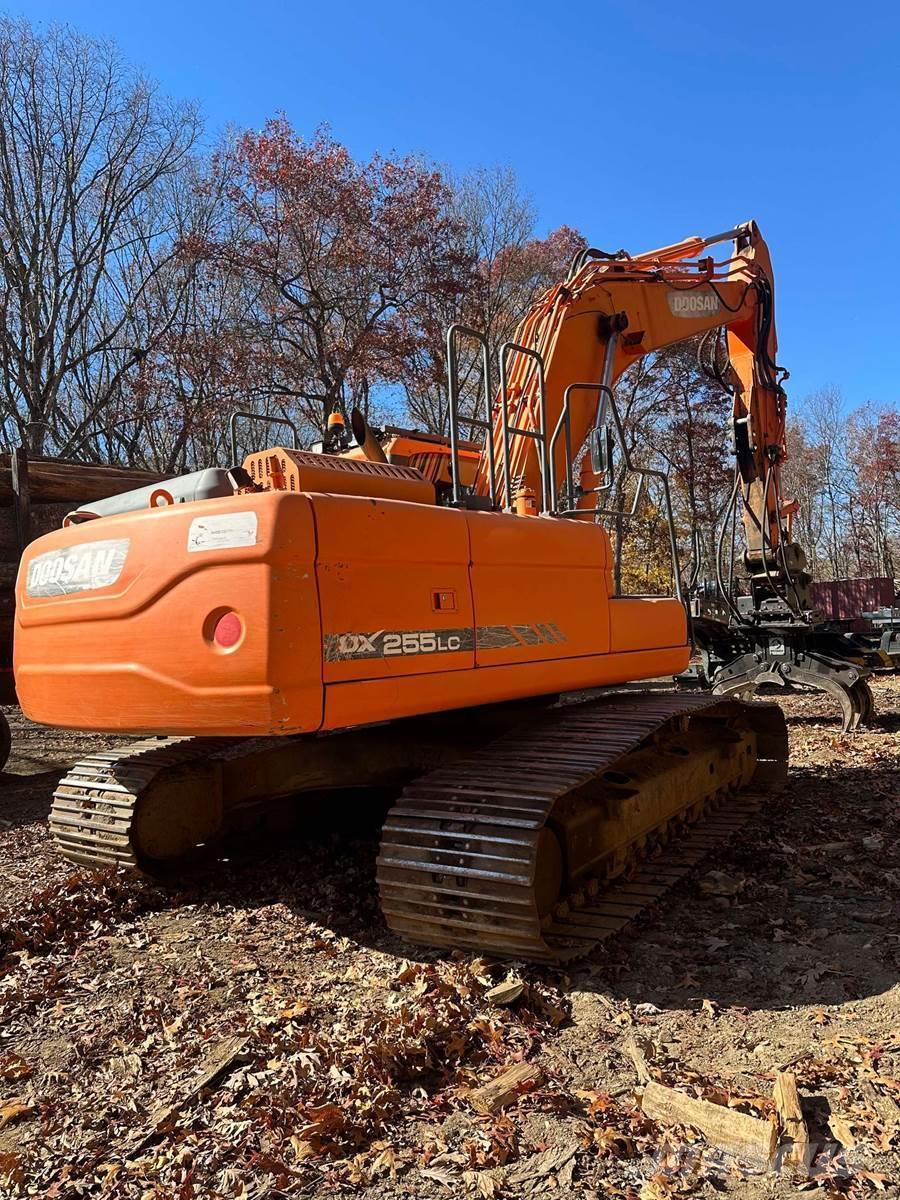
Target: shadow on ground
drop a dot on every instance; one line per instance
(800, 908)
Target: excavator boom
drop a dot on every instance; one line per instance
(614, 309)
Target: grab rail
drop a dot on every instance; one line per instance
(607, 399)
(456, 331)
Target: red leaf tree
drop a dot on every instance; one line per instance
(342, 259)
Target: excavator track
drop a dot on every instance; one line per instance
(99, 816)
(481, 852)
(474, 856)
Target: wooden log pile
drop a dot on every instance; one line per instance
(53, 481)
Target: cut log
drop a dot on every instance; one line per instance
(43, 519)
(748, 1138)
(506, 1088)
(795, 1135)
(49, 480)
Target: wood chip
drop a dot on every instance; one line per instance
(506, 1088)
(505, 993)
(748, 1138)
(796, 1134)
(221, 1058)
(640, 1051)
(536, 1166)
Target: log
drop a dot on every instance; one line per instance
(795, 1133)
(19, 480)
(748, 1138)
(44, 518)
(506, 1088)
(74, 482)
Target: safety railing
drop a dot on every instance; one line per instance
(504, 498)
(485, 423)
(570, 506)
(553, 502)
(263, 419)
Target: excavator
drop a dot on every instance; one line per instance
(435, 616)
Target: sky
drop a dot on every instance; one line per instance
(637, 123)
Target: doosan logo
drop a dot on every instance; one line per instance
(80, 568)
(699, 302)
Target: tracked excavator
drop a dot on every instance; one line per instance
(432, 615)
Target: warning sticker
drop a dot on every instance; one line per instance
(222, 531)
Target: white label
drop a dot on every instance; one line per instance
(225, 531)
(81, 568)
(693, 302)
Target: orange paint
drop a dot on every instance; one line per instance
(140, 655)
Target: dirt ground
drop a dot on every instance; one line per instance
(259, 1033)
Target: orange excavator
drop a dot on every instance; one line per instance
(425, 614)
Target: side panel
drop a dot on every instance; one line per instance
(541, 588)
(639, 623)
(133, 650)
(394, 589)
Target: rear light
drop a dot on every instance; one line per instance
(228, 630)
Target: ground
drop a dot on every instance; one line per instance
(259, 1033)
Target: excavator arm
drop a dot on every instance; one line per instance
(612, 310)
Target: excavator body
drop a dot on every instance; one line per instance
(285, 612)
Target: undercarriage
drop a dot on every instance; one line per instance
(532, 831)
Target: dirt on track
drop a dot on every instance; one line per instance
(257, 1032)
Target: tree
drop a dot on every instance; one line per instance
(87, 152)
(843, 468)
(873, 476)
(510, 268)
(342, 260)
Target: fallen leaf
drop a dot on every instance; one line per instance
(717, 883)
(13, 1066)
(505, 993)
(842, 1132)
(12, 1110)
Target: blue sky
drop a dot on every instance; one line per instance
(637, 123)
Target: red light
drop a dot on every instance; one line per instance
(228, 630)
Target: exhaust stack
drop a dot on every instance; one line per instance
(365, 438)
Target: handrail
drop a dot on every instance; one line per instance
(607, 398)
(252, 416)
(453, 333)
(539, 435)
